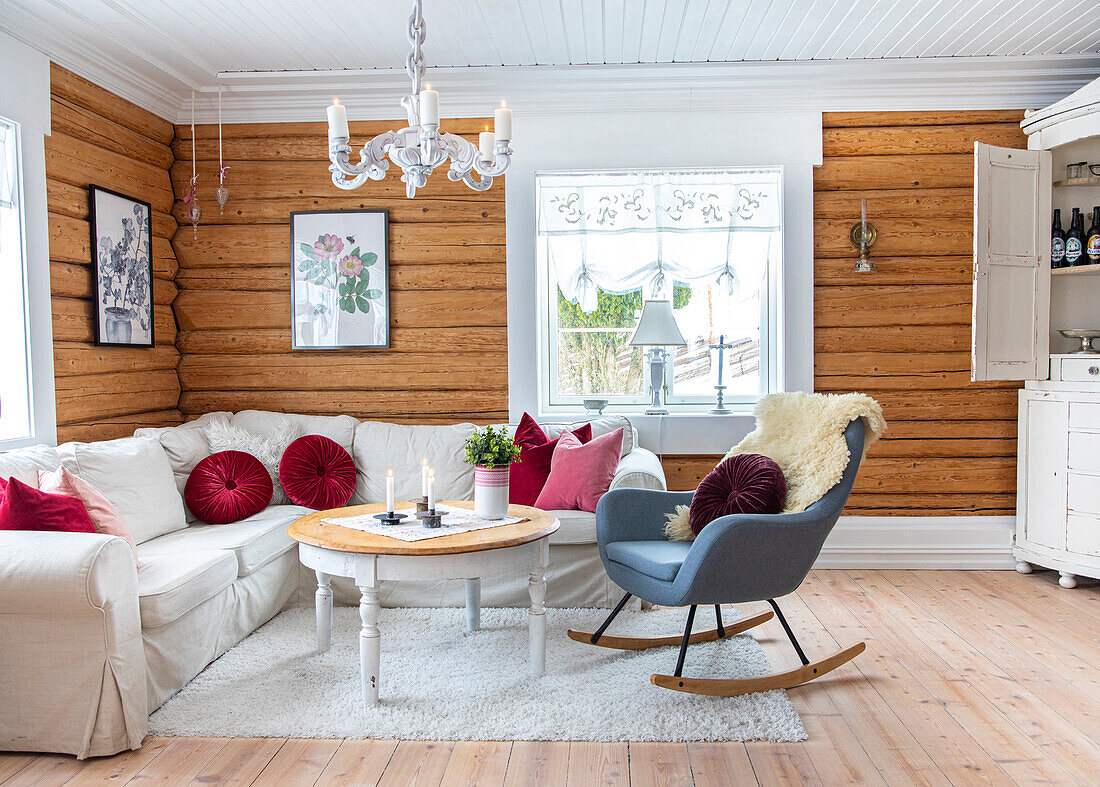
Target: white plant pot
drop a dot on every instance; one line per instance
(491, 492)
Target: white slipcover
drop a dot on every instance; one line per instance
(381, 446)
(24, 463)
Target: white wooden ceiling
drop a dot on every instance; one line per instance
(183, 44)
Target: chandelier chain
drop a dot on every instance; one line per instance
(414, 63)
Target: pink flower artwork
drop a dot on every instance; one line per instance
(328, 246)
(350, 266)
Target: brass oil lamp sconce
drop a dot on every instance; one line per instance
(863, 236)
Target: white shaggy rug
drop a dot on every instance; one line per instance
(439, 683)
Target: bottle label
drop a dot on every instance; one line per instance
(1073, 250)
(1057, 250)
(1094, 248)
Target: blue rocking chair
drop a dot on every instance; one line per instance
(735, 559)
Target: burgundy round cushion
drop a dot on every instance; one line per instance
(227, 487)
(741, 484)
(316, 472)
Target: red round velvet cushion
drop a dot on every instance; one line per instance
(316, 472)
(741, 484)
(227, 487)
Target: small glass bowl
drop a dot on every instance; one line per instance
(1076, 170)
(1095, 169)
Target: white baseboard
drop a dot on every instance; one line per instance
(928, 542)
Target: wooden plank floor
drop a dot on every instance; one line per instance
(969, 678)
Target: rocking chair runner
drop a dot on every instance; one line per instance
(735, 559)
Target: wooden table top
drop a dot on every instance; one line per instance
(311, 530)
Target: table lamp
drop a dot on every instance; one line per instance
(656, 330)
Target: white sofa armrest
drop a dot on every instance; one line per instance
(640, 469)
(72, 669)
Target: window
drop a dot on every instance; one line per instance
(709, 240)
(15, 381)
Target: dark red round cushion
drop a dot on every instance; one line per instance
(316, 472)
(227, 487)
(741, 484)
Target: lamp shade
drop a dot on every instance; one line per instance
(657, 327)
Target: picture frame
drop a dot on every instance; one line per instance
(340, 292)
(122, 257)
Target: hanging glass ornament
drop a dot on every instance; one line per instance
(221, 194)
(194, 212)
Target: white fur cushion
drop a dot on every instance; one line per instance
(267, 447)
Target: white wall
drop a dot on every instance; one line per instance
(653, 139)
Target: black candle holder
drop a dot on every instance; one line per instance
(432, 517)
(422, 505)
(390, 518)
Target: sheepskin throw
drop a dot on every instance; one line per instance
(268, 448)
(804, 434)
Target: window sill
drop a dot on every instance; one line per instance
(682, 432)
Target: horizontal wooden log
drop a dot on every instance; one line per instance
(895, 270)
(73, 321)
(920, 171)
(902, 140)
(395, 405)
(234, 246)
(302, 371)
(80, 122)
(81, 163)
(70, 241)
(889, 363)
(89, 397)
(912, 382)
(943, 448)
(937, 475)
(66, 85)
(360, 129)
(910, 430)
(284, 147)
(928, 512)
(118, 426)
(898, 237)
(218, 309)
(253, 180)
(71, 280)
(277, 211)
(927, 118)
(66, 199)
(77, 358)
(946, 405)
(474, 276)
(895, 203)
(412, 340)
(872, 306)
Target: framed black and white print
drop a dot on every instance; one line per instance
(340, 296)
(122, 244)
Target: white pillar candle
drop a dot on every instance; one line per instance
(389, 490)
(337, 121)
(424, 470)
(502, 123)
(431, 490)
(486, 142)
(429, 107)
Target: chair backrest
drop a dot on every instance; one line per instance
(833, 501)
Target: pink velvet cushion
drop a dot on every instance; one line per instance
(23, 507)
(741, 484)
(580, 474)
(316, 472)
(528, 476)
(227, 487)
(99, 508)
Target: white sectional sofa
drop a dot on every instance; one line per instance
(92, 646)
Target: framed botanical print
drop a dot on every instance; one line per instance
(340, 294)
(122, 244)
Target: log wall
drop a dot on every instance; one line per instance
(107, 392)
(448, 359)
(902, 333)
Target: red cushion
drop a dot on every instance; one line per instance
(227, 487)
(316, 472)
(741, 484)
(23, 507)
(528, 476)
(581, 474)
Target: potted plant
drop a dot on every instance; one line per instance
(491, 452)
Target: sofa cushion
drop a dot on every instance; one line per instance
(24, 507)
(581, 474)
(255, 541)
(24, 463)
(134, 475)
(103, 514)
(227, 487)
(170, 585)
(317, 472)
(657, 559)
(600, 426)
(380, 446)
(340, 428)
(184, 445)
(577, 527)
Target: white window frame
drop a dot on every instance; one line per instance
(771, 349)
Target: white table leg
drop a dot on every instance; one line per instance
(369, 643)
(323, 603)
(536, 587)
(473, 604)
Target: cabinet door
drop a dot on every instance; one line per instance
(1044, 429)
(1011, 264)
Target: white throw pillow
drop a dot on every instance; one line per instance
(24, 463)
(134, 475)
(185, 445)
(381, 446)
(267, 447)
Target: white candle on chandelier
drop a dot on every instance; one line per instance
(429, 106)
(486, 142)
(424, 470)
(389, 490)
(502, 123)
(337, 121)
(431, 490)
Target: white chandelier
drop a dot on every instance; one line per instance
(420, 147)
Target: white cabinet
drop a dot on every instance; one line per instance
(1019, 307)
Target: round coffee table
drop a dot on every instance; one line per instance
(331, 550)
